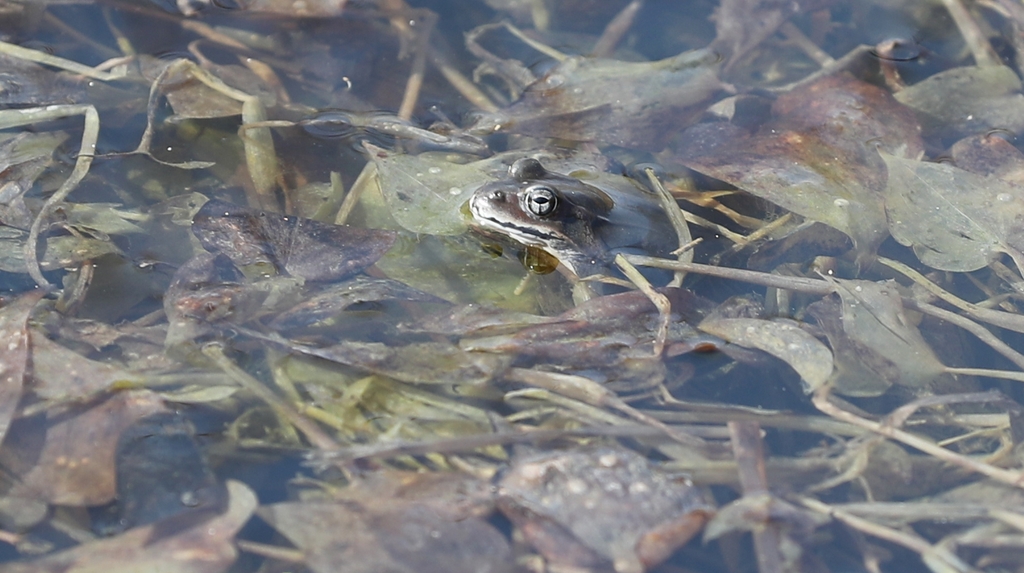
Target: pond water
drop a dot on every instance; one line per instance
(511, 285)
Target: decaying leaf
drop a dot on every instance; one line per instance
(601, 508)
(402, 538)
(204, 547)
(818, 157)
(357, 291)
(954, 220)
(74, 464)
(61, 251)
(280, 244)
(418, 362)
(784, 340)
(14, 352)
(989, 155)
(161, 473)
(59, 373)
(630, 104)
(192, 99)
(967, 100)
(23, 157)
(611, 336)
(103, 217)
(854, 373)
(878, 341)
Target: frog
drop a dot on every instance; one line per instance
(579, 224)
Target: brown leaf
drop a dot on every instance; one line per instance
(818, 157)
(206, 547)
(59, 373)
(74, 465)
(630, 104)
(277, 243)
(14, 353)
(784, 340)
(401, 538)
(599, 507)
(989, 155)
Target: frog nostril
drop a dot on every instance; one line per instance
(498, 195)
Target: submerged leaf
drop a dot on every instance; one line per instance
(989, 155)
(161, 472)
(203, 547)
(59, 373)
(811, 359)
(277, 243)
(954, 220)
(630, 104)
(967, 100)
(857, 368)
(878, 341)
(74, 464)
(23, 158)
(436, 362)
(61, 252)
(425, 192)
(611, 337)
(337, 298)
(399, 538)
(818, 157)
(600, 508)
(14, 353)
(103, 217)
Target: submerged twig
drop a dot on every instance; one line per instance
(317, 437)
(800, 284)
(395, 449)
(974, 328)
(748, 449)
(822, 402)
(86, 151)
(678, 220)
(419, 63)
(659, 301)
(38, 57)
(1009, 321)
(975, 39)
(616, 29)
(460, 82)
(927, 551)
(590, 392)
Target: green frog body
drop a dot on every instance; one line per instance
(579, 224)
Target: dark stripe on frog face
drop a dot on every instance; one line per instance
(518, 231)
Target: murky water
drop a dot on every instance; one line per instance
(320, 262)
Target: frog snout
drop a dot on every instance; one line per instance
(482, 199)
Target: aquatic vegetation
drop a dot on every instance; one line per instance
(543, 303)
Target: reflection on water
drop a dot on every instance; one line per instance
(387, 253)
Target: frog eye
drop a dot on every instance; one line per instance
(541, 200)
